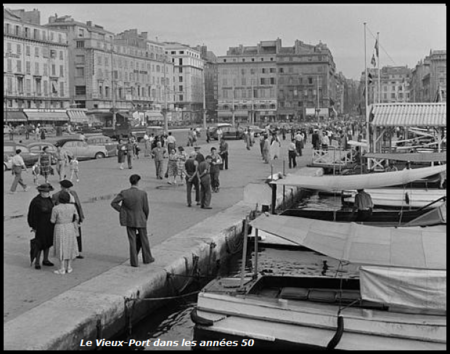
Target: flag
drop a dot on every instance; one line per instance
(370, 78)
(376, 48)
(373, 61)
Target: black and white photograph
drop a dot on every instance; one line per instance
(224, 176)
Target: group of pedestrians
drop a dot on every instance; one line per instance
(55, 220)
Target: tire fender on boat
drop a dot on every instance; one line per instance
(198, 320)
(338, 335)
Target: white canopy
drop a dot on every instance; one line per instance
(366, 245)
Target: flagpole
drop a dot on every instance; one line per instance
(367, 90)
(378, 62)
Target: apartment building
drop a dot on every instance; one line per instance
(188, 87)
(429, 78)
(36, 70)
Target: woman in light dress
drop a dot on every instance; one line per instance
(172, 169)
(65, 217)
(275, 145)
(181, 160)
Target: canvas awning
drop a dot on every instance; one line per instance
(409, 114)
(423, 248)
(14, 116)
(77, 115)
(55, 116)
(152, 115)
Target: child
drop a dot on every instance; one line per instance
(36, 170)
(73, 168)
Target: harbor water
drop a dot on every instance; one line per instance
(171, 328)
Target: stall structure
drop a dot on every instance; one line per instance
(426, 120)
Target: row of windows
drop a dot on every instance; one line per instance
(281, 70)
(246, 107)
(45, 88)
(37, 104)
(34, 33)
(37, 66)
(46, 51)
(248, 93)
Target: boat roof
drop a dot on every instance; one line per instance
(413, 157)
(366, 245)
(362, 181)
(410, 114)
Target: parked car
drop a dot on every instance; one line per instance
(213, 130)
(102, 140)
(233, 133)
(256, 130)
(37, 148)
(10, 147)
(81, 149)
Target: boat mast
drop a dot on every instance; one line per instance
(367, 92)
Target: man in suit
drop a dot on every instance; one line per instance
(132, 204)
(74, 199)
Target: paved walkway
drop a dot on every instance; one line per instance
(105, 244)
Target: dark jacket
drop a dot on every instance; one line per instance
(133, 206)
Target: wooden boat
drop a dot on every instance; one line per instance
(382, 218)
(369, 313)
(367, 181)
(401, 197)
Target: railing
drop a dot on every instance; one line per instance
(332, 157)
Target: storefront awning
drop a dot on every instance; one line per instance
(14, 116)
(54, 115)
(125, 115)
(77, 115)
(151, 115)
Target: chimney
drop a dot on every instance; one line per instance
(89, 23)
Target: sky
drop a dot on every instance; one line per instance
(407, 32)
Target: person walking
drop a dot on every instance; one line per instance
(275, 145)
(205, 182)
(62, 161)
(65, 216)
(147, 145)
(75, 200)
(18, 165)
(208, 135)
(39, 215)
(133, 206)
(223, 152)
(74, 167)
(158, 155)
(266, 149)
(299, 142)
(42, 134)
(121, 152)
(44, 162)
(216, 162)
(172, 172)
(130, 149)
(171, 142)
(181, 160)
(292, 154)
(192, 180)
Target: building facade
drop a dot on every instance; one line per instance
(188, 86)
(269, 82)
(429, 78)
(210, 82)
(36, 70)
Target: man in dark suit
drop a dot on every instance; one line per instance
(132, 204)
(74, 199)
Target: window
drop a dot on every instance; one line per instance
(9, 85)
(8, 47)
(20, 85)
(281, 70)
(19, 49)
(61, 55)
(80, 44)
(180, 88)
(181, 97)
(180, 61)
(19, 66)
(61, 71)
(9, 65)
(107, 92)
(79, 59)
(61, 89)
(28, 86)
(28, 51)
(52, 53)
(28, 67)
(45, 69)
(79, 72)
(310, 80)
(180, 79)
(272, 81)
(45, 88)
(80, 90)
(53, 70)
(36, 52)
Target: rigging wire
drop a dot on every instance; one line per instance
(380, 46)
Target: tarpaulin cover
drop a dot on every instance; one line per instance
(424, 289)
(370, 180)
(423, 248)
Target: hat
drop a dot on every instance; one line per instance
(193, 154)
(197, 147)
(45, 187)
(65, 183)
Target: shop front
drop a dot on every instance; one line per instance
(47, 116)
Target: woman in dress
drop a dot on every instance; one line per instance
(44, 162)
(181, 160)
(275, 145)
(121, 152)
(39, 215)
(65, 217)
(172, 167)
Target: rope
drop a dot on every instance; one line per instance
(163, 298)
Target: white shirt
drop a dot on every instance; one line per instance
(17, 160)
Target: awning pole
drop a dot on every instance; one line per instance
(244, 251)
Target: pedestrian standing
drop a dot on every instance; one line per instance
(37, 133)
(223, 152)
(39, 215)
(261, 145)
(18, 165)
(190, 137)
(62, 161)
(121, 153)
(75, 200)
(219, 133)
(191, 168)
(292, 154)
(146, 145)
(130, 148)
(363, 204)
(44, 162)
(199, 157)
(299, 142)
(315, 140)
(158, 155)
(42, 134)
(64, 215)
(205, 182)
(275, 147)
(208, 137)
(133, 206)
(181, 160)
(171, 142)
(172, 167)
(266, 149)
(74, 167)
(216, 161)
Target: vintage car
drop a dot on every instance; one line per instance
(102, 140)
(38, 146)
(29, 157)
(81, 149)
